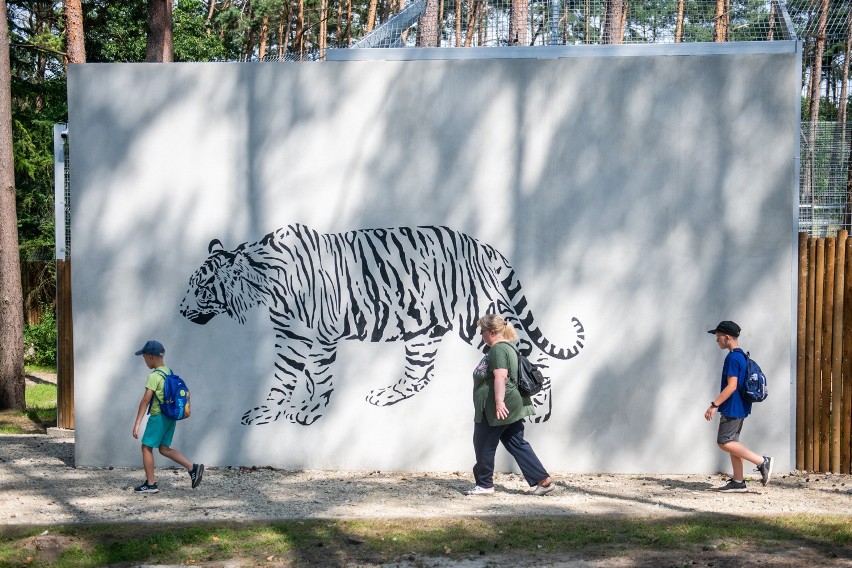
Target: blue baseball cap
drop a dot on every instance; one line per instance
(152, 347)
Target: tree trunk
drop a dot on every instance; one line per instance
(427, 31)
(11, 293)
(339, 30)
(771, 35)
(211, 7)
(518, 22)
(841, 113)
(264, 31)
(74, 37)
(679, 24)
(323, 30)
(160, 46)
(298, 40)
(371, 15)
(472, 18)
(348, 22)
(612, 22)
(458, 22)
(814, 91)
(720, 29)
(816, 72)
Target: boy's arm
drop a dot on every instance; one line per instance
(143, 407)
(723, 396)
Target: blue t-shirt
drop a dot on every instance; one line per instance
(735, 366)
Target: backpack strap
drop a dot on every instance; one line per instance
(747, 358)
(151, 402)
(518, 353)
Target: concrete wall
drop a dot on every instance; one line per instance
(646, 194)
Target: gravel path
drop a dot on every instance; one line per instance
(40, 485)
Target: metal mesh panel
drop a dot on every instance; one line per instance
(823, 178)
(67, 175)
(488, 23)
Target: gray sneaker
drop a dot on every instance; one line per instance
(765, 470)
(733, 487)
(147, 488)
(196, 473)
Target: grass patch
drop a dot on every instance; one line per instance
(39, 415)
(341, 542)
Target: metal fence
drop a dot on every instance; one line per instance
(824, 204)
(490, 23)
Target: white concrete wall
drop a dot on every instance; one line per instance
(648, 196)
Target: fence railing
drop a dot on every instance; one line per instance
(824, 354)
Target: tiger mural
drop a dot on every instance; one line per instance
(409, 284)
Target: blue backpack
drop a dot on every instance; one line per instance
(176, 394)
(754, 388)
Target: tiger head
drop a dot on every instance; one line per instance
(228, 282)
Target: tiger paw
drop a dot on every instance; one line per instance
(387, 396)
(258, 415)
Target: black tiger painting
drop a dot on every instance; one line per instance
(408, 284)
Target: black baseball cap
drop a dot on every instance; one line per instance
(728, 328)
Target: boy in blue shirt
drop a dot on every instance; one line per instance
(160, 429)
(733, 410)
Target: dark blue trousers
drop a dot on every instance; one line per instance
(486, 438)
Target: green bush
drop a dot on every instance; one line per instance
(40, 341)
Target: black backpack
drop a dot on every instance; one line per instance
(530, 379)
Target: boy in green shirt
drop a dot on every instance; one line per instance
(160, 429)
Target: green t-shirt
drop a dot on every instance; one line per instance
(156, 382)
(500, 356)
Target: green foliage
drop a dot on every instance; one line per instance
(40, 341)
(115, 31)
(193, 40)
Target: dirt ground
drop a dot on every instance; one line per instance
(40, 486)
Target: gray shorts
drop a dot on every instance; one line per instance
(729, 429)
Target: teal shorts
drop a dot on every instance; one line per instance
(159, 431)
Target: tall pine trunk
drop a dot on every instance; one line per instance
(518, 23)
(720, 30)
(323, 30)
(74, 37)
(11, 293)
(264, 32)
(815, 92)
(427, 31)
(679, 24)
(160, 44)
(371, 15)
(613, 25)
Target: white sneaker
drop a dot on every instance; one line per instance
(544, 489)
(477, 490)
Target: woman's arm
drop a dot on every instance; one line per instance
(500, 376)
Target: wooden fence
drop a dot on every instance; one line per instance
(824, 354)
(44, 290)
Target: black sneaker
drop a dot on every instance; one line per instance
(147, 488)
(196, 473)
(765, 470)
(733, 487)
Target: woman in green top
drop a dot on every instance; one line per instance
(499, 410)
